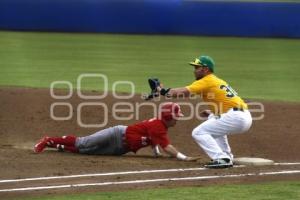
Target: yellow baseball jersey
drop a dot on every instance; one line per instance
(219, 95)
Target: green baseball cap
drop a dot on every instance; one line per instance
(204, 61)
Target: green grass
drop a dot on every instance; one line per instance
(269, 191)
(256, 68)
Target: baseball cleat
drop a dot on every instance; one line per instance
(41, 145)
(219, 163)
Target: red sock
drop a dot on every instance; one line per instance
(68, 140)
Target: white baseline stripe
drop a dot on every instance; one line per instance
(149, 181)
(296, 163)
(101, 174)
(106, 174)
(120, 173)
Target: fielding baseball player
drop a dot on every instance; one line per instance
(119, 140)
(228, 113)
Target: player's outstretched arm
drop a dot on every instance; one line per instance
(172, 151)
(157, 89)
(174, 92)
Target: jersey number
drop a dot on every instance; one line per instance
(229, 91)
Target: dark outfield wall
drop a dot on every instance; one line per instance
(153, 17)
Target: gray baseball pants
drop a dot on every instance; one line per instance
(109, 141)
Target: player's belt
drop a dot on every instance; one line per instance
(238, 109)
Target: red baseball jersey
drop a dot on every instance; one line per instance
(149, 132)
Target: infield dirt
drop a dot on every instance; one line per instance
(25, 118)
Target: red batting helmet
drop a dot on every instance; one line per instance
(170, 111)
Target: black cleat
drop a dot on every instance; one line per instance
(219, 163)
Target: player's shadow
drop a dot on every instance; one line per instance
(147, 157)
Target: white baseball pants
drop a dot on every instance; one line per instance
(211, 135)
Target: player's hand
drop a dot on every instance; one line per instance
(158, 88)
(192, 159)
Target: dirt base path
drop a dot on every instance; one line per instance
(25, 118)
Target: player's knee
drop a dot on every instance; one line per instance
(195, 133)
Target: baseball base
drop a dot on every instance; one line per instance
(252, 161)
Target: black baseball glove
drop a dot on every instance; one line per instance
(153, 83)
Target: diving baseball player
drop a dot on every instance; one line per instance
(228, 113)
(119, 140)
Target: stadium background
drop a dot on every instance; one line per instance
(197, 17)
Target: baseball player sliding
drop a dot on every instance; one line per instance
(228, 113)
(119, 140)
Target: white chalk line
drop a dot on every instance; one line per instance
(149, 181)
(296, 163)
(119, 173)
(107, 174)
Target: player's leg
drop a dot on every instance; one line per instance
(105, 142)
(234, 122)
(203, 135)
(224, 145)
(239, 122)
(41, 144)
(219, 149)
(68, 140)
(62, 143)
(100, 138)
